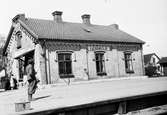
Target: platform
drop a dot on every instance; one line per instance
(60, 97)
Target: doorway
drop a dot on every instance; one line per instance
(23, 62)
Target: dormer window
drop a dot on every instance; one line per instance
(18, 39)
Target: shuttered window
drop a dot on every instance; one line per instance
(65, 65)
(128, 62)
(100, 64)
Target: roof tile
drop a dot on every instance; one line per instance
(49, 29)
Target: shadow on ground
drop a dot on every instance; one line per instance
(41, 97)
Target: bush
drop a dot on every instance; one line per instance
(150, 71)
(5, 83)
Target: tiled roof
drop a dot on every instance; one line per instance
(163, 60)
(49, 29)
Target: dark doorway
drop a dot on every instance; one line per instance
(23, 62)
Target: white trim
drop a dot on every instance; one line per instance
(22, 52)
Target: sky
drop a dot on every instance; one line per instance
(144, 19)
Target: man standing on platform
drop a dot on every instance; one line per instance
(32, 80)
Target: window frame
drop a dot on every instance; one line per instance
(64, 61)
(18, 39)
(128, 62)
(100, 61)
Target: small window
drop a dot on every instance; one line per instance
(65, 65)
(153, 61)
(18, 39)
(100, 65)
(128, 62)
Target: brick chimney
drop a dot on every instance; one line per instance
(19, 16)
(86, 19)
(57, 16)
(116, 26)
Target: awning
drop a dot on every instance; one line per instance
(22, 52)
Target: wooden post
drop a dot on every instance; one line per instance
(122, 108)
(21, 106)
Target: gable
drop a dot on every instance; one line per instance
(26, 41)
(154, 58)
(149, 58)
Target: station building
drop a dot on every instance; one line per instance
(65, 51)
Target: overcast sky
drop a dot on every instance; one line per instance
(145, 19)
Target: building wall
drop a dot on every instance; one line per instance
(26, 42)
(83, 58)
(1, 59)
(136, 62)
(2, 42)
(83, 62)
(79, 63)
(91, 65)
(53, 67)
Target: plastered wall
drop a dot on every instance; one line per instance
(84, 65)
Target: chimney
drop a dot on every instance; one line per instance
(57, 16)
(116, 26)
(86, 19)
(19, 16)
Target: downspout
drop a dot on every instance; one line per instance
(142, 59)
(118, 63)
(87, 63)
(45, 62)
(49, 68)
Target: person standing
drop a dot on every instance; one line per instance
(13, 82)
(32, 80)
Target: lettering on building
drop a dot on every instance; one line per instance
(99, 47)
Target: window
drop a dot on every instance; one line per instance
(18, 39)
(65, 65)
(153, 60)
(128, 62)
(100, 66)
(21, 69)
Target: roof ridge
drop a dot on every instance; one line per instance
(68, 22)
